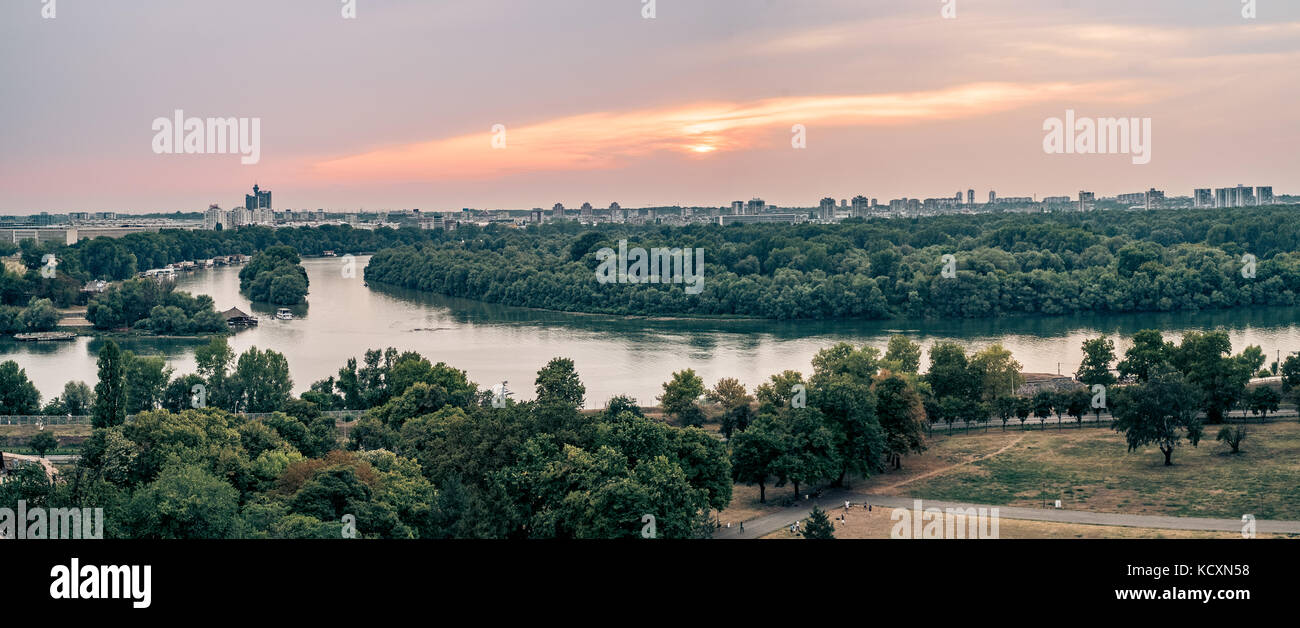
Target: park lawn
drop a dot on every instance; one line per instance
(943, 451)
(877, 525)
(1092, 469)
(28, 431)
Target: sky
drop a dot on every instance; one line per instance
(699, 105)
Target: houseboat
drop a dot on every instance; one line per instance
(236, 317)
(284, 314)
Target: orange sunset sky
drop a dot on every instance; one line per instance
(396, 108)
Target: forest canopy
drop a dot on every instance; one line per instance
(1005, 264)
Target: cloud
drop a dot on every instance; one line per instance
(605, 140)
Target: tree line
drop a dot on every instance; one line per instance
(433, 456)
(1002, 264)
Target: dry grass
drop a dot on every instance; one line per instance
(1092, 469)
(943, 452)
(877, 525)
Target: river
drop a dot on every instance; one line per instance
(614, 356)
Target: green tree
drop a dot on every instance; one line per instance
(1077, 401)
(1160, 411)
(818, 525)
(1098, 354)
(810, 454)
(950, 374)
(1024, 406)
(261, 381)
(111, 391)
(558, 383)
(1005, 408)
(680, 396)
(39, 315)
(754, 453)
(78, 398)
(146, 382)
(43, 442)
(185, 502)
(1233, 435)
(1149, 352)
(902, 418)
(17, 394)
(1220, 377)
(1044, 403)
(1263, 400)
(1291, 377)
(903, 355)
(996, 371)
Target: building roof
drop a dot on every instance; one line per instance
(234, 312)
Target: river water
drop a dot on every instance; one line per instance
(614, 355)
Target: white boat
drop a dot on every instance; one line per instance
(284, 314)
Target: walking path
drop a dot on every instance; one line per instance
(767, 524)
(834, 499)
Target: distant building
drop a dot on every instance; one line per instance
(993, 197)
(970, 197)
(737, 208)
(535, 216)
(1264, 195)
(860, 207)
(755, 206)
(1155, 199)
(1086, 200)
(826, 211)
(586, 210)
(1056, 200)
(557, 211)
(759, 218)
(1203, 197)
(259, 199)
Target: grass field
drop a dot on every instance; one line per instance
(1093, 470)
(1087, 469)
(14, 438)
(877, 525)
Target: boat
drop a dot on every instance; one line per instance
(284, 314)
(45, 336)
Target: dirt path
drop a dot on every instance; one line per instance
(948, 468)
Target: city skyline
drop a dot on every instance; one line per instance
(691, 108)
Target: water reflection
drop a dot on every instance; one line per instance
(614, 355)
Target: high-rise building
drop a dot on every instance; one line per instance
(258, 199)
(993, 197)
(1202, 197)
(737, 208)
(557, 211)
(1154, 199)
(755, 206)
(970, 197)
(1086, 200)
(585, 212)
(214, 218)
(535, 216)
(860, 207)
(1264, 195)
(1245, 196)
(826, 211)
